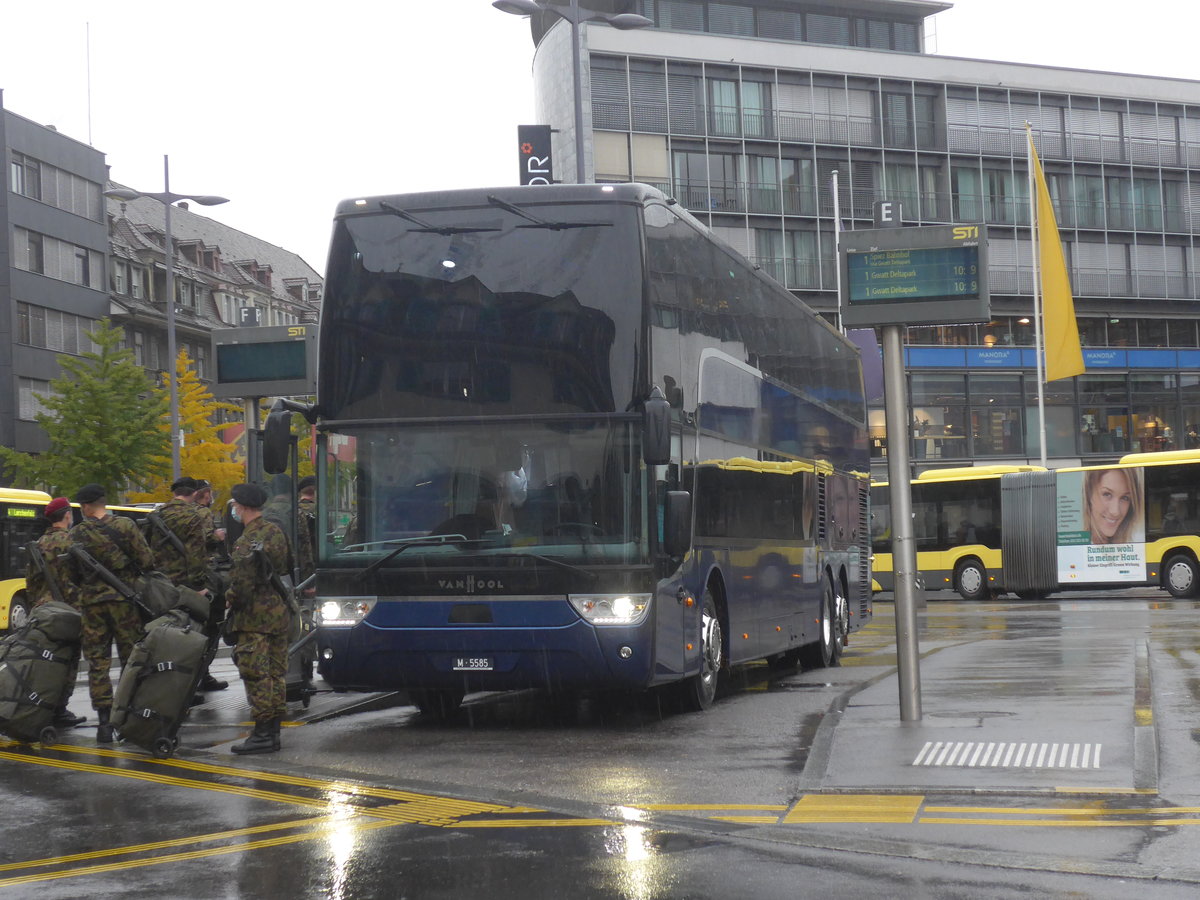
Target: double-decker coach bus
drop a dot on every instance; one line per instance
(1031, 532)
(567, 439)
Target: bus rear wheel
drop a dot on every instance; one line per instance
(970, 580)
(700, 690)
(827, 651)
(1181, 576)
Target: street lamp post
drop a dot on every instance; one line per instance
(167, 198)
(574, 14)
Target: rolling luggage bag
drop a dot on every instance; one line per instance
(159, 681)
(35, 671)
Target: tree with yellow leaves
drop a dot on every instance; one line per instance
(203, 454)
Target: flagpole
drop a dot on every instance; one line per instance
(837, 250)
(1038, 341)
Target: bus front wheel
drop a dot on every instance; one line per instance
(701, 689)
(18, 612)
(437, 704)
(970, 580)
(1181, 576)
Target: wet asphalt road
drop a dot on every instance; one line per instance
(522, 796)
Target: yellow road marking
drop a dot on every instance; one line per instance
(748, 820)
(537, 823)
(1083, 811)
(702, 807)
(339, 829)
(854, 808)
(163, 845)
(1063, 823)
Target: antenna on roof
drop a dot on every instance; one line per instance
(88, 42)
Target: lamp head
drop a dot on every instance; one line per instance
(122, 194)
(209, 199)
(518, 7)
(627, 21)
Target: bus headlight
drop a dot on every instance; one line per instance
(344, 610)
(611, 609)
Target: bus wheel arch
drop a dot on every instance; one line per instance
(700, 690)
(1181, 574)
(971, 579)
(18, 611)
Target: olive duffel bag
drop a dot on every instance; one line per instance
(36, 667)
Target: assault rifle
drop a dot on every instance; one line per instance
(165, 530)
(93, 565)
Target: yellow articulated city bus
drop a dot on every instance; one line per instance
(1030, 531)
(21, 522)
(956, 529)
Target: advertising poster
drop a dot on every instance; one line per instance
(1101, 526)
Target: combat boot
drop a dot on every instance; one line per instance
(276, 725)
(64, 718)
(104, 731)
(261, 741)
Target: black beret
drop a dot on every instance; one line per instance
(184, 485)
(90, 493)
(250, 495)
(308, 481)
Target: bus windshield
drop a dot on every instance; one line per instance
(407, 495)
(481, 311)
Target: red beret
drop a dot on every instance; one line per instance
(55, 505)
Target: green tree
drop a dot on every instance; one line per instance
(103, 418)
(204, 454)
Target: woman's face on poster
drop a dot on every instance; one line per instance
(1111, 501)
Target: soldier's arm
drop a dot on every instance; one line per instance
(142, 554)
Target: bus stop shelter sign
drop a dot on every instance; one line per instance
(931, 275)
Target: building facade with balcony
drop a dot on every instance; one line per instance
(743, 111)
(70, 257)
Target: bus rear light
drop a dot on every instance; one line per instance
(344, 610)
(611, 609)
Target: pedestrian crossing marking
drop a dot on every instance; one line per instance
(1009, 754)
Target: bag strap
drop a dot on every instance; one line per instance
(115, 536)
(39, 562)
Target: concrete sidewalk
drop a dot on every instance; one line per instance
(1036, 714)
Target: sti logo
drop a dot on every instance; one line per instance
(966, 232)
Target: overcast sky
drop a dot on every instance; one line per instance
(286, 110)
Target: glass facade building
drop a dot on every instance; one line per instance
(744, 110)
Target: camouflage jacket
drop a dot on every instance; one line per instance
(54, 545)
(256, 605)
(306, 530)
(187, 524)
(127, 557)
(208, 518)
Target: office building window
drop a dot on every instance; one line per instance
(25, 176)
(52, 329)
(57, 259)
(31, 398)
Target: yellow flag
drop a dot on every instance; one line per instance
(1064, 357)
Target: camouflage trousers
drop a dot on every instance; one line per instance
(262, 662)
(103, 624)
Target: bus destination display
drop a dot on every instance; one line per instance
(882, 276)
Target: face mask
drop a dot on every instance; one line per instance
(237, 514)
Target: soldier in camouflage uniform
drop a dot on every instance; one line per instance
(306, 532)
(53, 547)
(117, 544)
(261, 618)
(185, 521)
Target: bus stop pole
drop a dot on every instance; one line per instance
(904, 557)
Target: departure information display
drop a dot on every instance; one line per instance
(927, 275)
(883, 276)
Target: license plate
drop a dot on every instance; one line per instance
(472, 664)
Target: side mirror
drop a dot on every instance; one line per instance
(677, 523)
(656, 429)
(277, 441)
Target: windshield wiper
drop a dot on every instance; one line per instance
(542, 223)
(405, 544)
(549, 560)
(425, 227)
